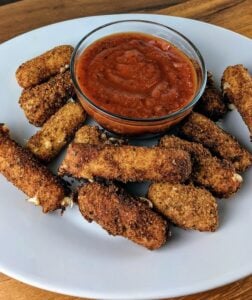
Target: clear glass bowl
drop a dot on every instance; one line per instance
(134, 126)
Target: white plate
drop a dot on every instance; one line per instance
(69, 255)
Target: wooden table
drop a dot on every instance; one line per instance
(25, 15)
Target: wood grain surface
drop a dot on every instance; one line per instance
(22, 16)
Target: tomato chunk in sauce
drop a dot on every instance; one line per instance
(136, 75)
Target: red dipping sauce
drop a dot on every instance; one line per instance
(136, 75)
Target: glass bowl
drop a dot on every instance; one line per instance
(129, 126)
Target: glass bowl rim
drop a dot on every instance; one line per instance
(155, 119)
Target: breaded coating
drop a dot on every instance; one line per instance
(126, 163)
(200, 129)
(42, 67)
(211, 103)
(93, 135)
(42, 101)
(237, 88)
(186, 206)
(218, 176)
(89, 135)
(27, 174)
(120, 214)
(57, 132)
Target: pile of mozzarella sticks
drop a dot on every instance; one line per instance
(187, 171)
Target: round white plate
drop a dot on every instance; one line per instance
(69, 255)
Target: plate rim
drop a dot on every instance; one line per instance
(226, 279)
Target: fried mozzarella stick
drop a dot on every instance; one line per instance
(57, 132)
(218, 176)
(200, 129)
(211, 103)
(237, 88)
(186, 206)
(42, 67)
(121, 214)
(93, 135)
(26, 173)
(126, 163)
(42, 101)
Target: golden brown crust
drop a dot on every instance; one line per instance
(42, 67)
(88, 135)
(126, 163)
(211, 103)
(57, 132)
(42, 101)
(35, 180)
(237, 88)
(93, 135)
(218, 176)
(185, 205)
(121, 214)
(200, 129)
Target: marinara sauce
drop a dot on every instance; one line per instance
(136, 75)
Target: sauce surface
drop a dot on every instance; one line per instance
(136, 75)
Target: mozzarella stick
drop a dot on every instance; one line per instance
(27, 174)
(217, 176)
(200, 129)
(57, 132)
(186, 206)
(211, 103)
(120, 214)
(126, 163)
(42, 101)
(237, 88)
(93, 135)
(42, 67)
